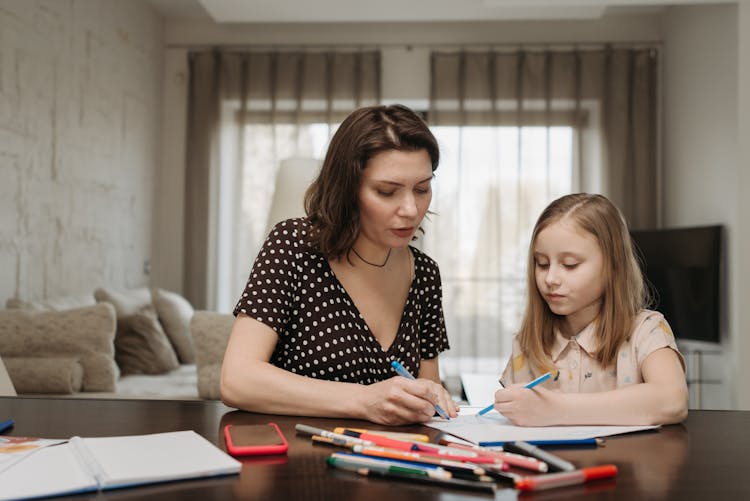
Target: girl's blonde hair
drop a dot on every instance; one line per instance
(624, 291)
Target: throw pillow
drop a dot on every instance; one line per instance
(141, 346)
(126, 302)
(174, 313)
(60, 375)
(86, 333)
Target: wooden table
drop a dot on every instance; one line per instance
(704, 458)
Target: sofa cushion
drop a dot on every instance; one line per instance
(126, 302)
(142, 346)
(174, 313)
(210, 331)
(84, 333)
(45, 375)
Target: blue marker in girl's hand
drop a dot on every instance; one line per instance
(530, 385)
(401, 370)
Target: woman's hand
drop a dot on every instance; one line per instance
(526, 407)
(400, 400)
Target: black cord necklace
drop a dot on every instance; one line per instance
(387, 256)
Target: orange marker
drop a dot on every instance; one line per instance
(550, 480)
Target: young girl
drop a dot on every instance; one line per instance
(613, 362)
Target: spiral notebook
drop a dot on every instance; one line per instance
(91, 464)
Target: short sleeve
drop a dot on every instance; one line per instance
(433, 335)
(651, 333)
(270, 291)
(516, 369)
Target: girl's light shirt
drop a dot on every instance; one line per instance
(579, 370)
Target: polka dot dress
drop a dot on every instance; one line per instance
(322, 335)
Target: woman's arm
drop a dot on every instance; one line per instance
(250, 382)
(661, 399)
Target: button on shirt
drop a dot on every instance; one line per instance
(579, 370)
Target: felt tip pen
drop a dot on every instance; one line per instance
(529, 386)
(403, 372)
(400, 474)
(574, 442)
(432, 470)
(348, 462)
(550, 480)
(509, 458)
(333, 441)
(417, 459)
(555, 463)
(391, 453)
(4, 425)
(407, 437)
(311, 430)
(381, 440)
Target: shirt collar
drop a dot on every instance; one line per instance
(586, 339)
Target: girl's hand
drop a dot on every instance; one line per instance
(400, 400)
(526, 407)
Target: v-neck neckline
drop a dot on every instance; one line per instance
(361, 317)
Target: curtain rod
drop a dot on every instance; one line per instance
(409, 46)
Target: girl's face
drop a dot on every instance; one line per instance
(394, 194)
(569, 268)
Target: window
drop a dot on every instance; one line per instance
(491, 185)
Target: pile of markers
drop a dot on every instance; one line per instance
(411, 457)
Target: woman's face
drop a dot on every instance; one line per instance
(394, 194)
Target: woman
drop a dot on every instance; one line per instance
(335, 297)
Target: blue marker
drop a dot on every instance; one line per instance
(4, 425)
(403, 372)
(530, 385)
(572, 442)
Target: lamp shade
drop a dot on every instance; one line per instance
(292, 179)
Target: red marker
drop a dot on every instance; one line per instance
(550, 480)
(381, 440)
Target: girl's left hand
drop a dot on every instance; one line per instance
(526, 407)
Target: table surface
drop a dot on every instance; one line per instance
(702, 458)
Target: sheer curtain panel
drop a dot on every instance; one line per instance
(247, 112)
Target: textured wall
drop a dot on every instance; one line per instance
(80, 88)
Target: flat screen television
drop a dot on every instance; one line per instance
(682, 266)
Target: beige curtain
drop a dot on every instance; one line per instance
(519, 128)
(247, 112)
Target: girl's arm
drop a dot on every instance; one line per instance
(662, 398)
(250, 382)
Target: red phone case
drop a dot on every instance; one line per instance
(256, 450)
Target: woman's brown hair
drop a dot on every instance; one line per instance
(331, 200)
(624, 291)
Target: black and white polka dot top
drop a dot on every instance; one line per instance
(293, 290)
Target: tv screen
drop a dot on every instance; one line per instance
(682, 266)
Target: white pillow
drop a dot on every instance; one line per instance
(175, 313)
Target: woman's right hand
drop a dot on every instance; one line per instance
(399, 400)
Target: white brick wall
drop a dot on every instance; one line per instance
(80, 109)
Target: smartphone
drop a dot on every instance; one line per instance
(255, 439)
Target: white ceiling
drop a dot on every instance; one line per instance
(290, 11)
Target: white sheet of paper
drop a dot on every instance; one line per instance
(494, 427)
(480, 388)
